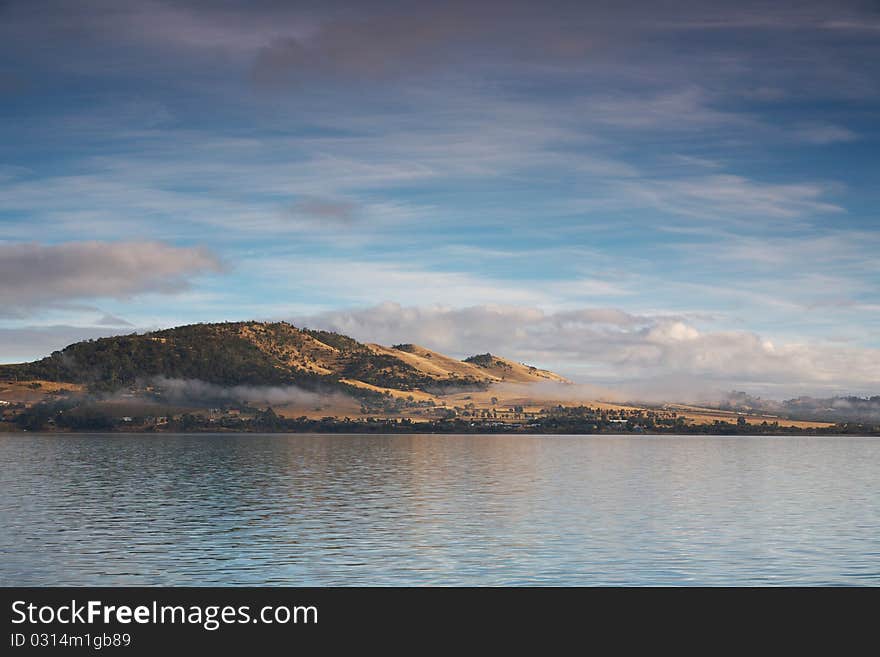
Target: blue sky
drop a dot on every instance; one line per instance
(658, 197)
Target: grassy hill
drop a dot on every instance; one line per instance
(260, 354)
(507, 370)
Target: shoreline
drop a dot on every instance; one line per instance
(617, 434)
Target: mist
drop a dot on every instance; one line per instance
(554, 391)
(830, 409)
(193, 390)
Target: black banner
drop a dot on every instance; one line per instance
(275, 620)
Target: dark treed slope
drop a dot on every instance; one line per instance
(217, 353)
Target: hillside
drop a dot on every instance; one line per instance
(511, 372)
(267, 354)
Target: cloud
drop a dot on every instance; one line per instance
(851, 250)
(731, 196)
(412, 279)
(684, 109)
(324, 210)
(824, 133)
(112, 320)
(348, 41)
(35, 275)
(662, 356)
(376, 44)
(388, 39)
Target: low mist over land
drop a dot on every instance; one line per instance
(200, 392)
(833, 409)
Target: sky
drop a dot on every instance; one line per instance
(667, 198)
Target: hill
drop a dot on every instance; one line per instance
(507, 370)
(267, 354)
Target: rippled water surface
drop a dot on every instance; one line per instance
(390, 510)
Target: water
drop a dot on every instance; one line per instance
(393, 510)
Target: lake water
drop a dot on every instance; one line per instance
(443, 510)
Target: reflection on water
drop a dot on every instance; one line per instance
(390, 510)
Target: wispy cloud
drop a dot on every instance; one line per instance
(732, 197)
(824, 133)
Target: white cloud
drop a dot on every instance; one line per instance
(659, 356)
